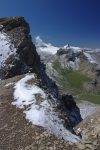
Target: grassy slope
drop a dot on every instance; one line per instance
(72, 82)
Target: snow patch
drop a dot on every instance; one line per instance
(89, 57)
(76, 49)
(41, 114)
(6, 48)
(87, 108)
(25, 94)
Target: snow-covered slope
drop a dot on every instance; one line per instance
(6, 48)
(39, 109)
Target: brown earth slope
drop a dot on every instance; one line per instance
(17, 134)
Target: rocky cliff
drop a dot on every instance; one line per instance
(37, 92)
(21, 55)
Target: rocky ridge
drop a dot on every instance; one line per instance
(18, 56)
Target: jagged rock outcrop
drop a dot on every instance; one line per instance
(65, 103)
(17, 32)
(18, 56)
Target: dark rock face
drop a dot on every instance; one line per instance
(73, 110)
(48, 82)
(17, 29)
(65, 103)
(61, 51)
(70, 55)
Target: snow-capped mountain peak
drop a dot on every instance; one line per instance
(39, 42)
(45, 47)
(45, 50)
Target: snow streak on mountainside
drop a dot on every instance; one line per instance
(6, 48)
(39, 109)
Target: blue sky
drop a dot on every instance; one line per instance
(76, 22)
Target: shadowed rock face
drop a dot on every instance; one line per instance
(26, 57)
(66, 103)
